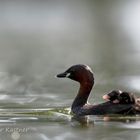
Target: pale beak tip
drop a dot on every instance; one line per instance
(106, 97)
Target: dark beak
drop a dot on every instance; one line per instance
(62, 75)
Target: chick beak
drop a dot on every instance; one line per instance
(106, 97)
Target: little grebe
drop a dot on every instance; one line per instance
(84, 75)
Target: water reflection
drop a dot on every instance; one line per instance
(81, 122)
(28, 127)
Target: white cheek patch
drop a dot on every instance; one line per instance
(68, 74)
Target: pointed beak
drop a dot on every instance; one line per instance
(106, 97)
(62, 75)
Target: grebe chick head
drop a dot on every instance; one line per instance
(80, 73)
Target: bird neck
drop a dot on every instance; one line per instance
(83, 94)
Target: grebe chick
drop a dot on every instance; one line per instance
(118, 96)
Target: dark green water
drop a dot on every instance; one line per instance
(39, 39)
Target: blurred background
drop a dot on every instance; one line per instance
(39, 39)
